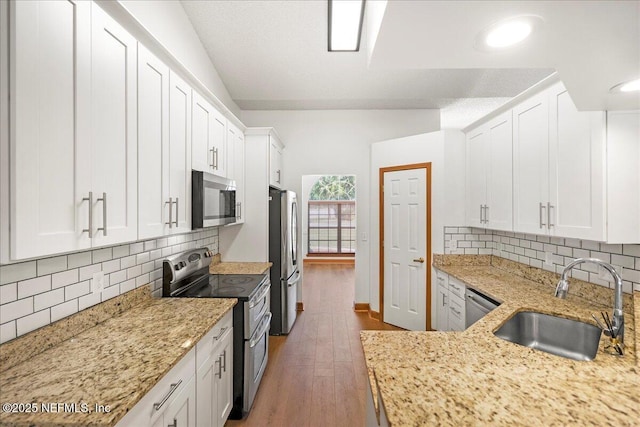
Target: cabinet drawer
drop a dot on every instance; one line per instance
(442, 279)
(204, 347)
(456, 288)
(456, 311)
(170, 386)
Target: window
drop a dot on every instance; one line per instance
(332, 216)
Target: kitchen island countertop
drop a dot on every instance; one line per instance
(475, 378)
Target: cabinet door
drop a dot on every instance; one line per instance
(235, 162)
(218, 144)
(275, 162)
(179, 156)
(113, 124)
(476, 177)
(224, 390)
(181, 412)
(499, 210)
(206, 392)
(576, 167)
(153, 142)
(50, 96)
(531, 165)
(201, 119)
(442, 308)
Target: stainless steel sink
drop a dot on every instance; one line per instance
(563, 337)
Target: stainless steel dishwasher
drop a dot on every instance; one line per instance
(477, 305)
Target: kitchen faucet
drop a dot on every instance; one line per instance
(618, 317)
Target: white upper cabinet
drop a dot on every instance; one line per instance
(209, 137)
(50, 56)
(559, 160)
(153, 141)
(179, 156)
(489, 179)
(164, 135)
(476, 194)
(275, 162)
(531, 165)
(113, 131)
(236, 167)
(576, 206)
(623, 176)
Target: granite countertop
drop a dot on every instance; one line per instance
(475, 378)
(219, 267)
(114, 363)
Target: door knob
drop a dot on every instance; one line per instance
(420, 260)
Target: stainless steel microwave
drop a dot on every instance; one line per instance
(213, 200)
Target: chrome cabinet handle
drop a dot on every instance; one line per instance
(215, 158)
(174, 424)
(170, 203)
(486, 214)
(90, 200)
(444, 300)
(224, 360)
(176, 221)
(481, 220)
(238, 210)
(172, 389)
(542, 224)
(212, 158)
(549, 206)
(219, 362)
(220, 334)
(103, 199)
(278, 180)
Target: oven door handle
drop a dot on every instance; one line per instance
(264, 293)
(264, 327)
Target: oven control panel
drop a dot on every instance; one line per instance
(181, 265)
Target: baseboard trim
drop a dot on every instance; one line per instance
(299, 306)
(361, 307)
(339, 261)
(374, 315)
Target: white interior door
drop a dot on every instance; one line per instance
(404, 246)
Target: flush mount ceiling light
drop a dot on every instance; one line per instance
(507, 33)
(630, 86)
(345, 25)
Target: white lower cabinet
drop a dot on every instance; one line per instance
(198, 391)
(450, 308)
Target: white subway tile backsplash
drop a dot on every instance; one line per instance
(51, 265)
(77, 290)
(8, 293)
(121, 251)
(39, 292)
(7, 331)
(102, 255)
(64, 278)
(80, 259)
(111, 266)
(48, 299)
(63, 310)
(33, 321)
(16, 272)
(16, 309)
(88, 300)
(34, 286)
(532, 250)
(87, 272)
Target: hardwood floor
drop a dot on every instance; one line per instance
(317, 375)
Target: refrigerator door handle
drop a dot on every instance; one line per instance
(289, 284)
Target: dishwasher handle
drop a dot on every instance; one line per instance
(483, 302)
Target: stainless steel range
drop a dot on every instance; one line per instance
(187, 275)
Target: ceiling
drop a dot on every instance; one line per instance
(273, 54)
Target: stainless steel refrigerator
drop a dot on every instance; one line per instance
(283, 253)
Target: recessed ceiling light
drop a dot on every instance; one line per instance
(507, 33)
(630, 86)
(345, 25)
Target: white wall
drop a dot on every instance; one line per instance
(169, 24)
(443, 149)
(337, 142)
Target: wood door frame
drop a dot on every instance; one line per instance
(382, 171)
